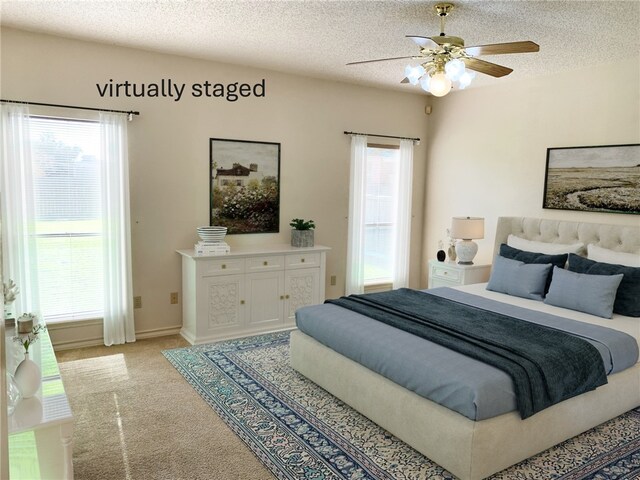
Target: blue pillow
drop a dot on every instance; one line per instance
(517, 278)
(628, 296)
(592, 294)
(558, 260)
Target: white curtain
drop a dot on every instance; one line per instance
(19, 255)
(118, 294)
(357, 183)
(403, 216)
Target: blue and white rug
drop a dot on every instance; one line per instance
(300, 431)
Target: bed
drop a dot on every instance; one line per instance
(474, 448)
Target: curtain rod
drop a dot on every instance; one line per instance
(382, 136)
(130, 112)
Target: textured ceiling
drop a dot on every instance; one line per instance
(317, 38)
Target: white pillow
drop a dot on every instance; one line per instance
(599, 254)
(543, 247)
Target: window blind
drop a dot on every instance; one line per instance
(380, 213)
(66, 170)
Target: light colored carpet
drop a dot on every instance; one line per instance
(136, 418)
(301, 431)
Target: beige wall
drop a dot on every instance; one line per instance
(169, 150)
(487, 146)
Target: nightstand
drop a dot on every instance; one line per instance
(450, 274)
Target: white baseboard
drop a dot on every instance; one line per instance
(158, 332)
(93, 340)
(71, 344)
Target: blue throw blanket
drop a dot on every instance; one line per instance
(547, 366)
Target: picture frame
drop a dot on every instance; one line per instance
(602, 178)
(244, 185)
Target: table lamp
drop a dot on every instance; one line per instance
(465, 230)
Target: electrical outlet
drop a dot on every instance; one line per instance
(137, 302)
(174, 298)
(333, 279)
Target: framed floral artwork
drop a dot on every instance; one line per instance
(244, 185)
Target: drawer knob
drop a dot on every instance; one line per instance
(224, 266)
(281, 297)
(241, 302)
(265, 263)
(302, 260)
(286, 296)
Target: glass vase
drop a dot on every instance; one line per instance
(13, 394)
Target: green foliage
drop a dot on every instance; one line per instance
(27, 339)
(300, 224)
(53, 152)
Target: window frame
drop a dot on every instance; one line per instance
(80, 117)
(378, 284)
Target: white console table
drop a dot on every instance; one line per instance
(41, 427)
(251, 290)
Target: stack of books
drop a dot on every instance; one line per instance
(203, 248)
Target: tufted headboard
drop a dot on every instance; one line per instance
(620, 238)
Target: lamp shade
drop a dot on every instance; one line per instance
(467, 228)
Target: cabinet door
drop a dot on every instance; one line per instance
(302, 288)
(265, 295)
(223, 304)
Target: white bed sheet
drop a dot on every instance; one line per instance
(628, 325)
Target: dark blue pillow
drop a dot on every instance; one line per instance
(532, 257)
(628, 294)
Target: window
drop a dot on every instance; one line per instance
(67, 191)
(380, 222)
(380, 185)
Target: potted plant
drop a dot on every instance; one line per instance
(302, 232)
(28, 376)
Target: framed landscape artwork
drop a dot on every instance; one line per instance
(594, 179)
(244, 185)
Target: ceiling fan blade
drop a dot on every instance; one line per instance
(380, 60)
(424, 42)
(405, 80)
(502, 48)
(487, 68)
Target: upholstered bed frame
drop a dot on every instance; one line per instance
(470, 449)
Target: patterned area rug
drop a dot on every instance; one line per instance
(299, 431)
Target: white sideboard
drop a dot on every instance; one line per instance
(251, 290)
(41, 427)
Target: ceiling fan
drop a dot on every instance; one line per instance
(444, 59)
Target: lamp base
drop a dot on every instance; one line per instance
(466, 250)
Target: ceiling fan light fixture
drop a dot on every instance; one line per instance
(454, 69)
(445, 60)
(440, 85)
(465, 79)
(413, 74)
(425, 82)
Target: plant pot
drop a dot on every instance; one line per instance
(301, 238)
(28, 377)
